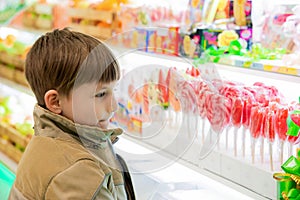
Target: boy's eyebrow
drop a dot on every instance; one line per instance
(101, 87)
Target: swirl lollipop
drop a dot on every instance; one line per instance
(217, 113)
(201, 101)
(231, 92)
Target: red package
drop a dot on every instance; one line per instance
(256, 121)
(247, 105)
(270, 126)
(236, 112)
(280, 122)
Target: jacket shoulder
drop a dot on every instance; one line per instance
(79, 181)
(45, 158)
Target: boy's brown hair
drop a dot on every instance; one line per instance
(60, 58)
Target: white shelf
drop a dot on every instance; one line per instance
(181, 171)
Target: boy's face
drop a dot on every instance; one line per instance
(91, 104)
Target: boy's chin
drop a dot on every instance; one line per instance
(103, 124)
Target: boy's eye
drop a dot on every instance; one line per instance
(101, 94)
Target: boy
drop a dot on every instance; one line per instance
(70, 156)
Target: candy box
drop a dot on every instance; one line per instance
(166, 41)
(189, 44)
(151, 40)
(163, 40)
(139, 39)
(222, 38)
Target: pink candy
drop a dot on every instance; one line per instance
(217, 113)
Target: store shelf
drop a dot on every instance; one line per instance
(238, 63)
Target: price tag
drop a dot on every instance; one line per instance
(257, 66)
(239, 63)
(288, 70)
(270, 68)
(247, 64)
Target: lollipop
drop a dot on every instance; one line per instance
(172, 89)
(270, 132)
(281, 126)
(255, 127)
(187, 96)
(217, 113)
(270, 91)
(236, 119)
(203, 89)
(265, 111)
(201, 102)
(163, 90)
(247, 105)
(145, 99)
(230, 91)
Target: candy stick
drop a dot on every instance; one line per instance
(262, 146)
(236, 119)
(203, 128)
(227, 133)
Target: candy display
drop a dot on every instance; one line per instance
(255, 123)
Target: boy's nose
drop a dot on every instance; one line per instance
(113, 104)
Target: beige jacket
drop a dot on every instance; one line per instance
(59, 164)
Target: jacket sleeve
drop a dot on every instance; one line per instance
(127, 179)
(83, 180)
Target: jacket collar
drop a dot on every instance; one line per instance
(93, 136)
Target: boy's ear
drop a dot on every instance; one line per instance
(52, 101)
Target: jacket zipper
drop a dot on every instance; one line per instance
(99, 187)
